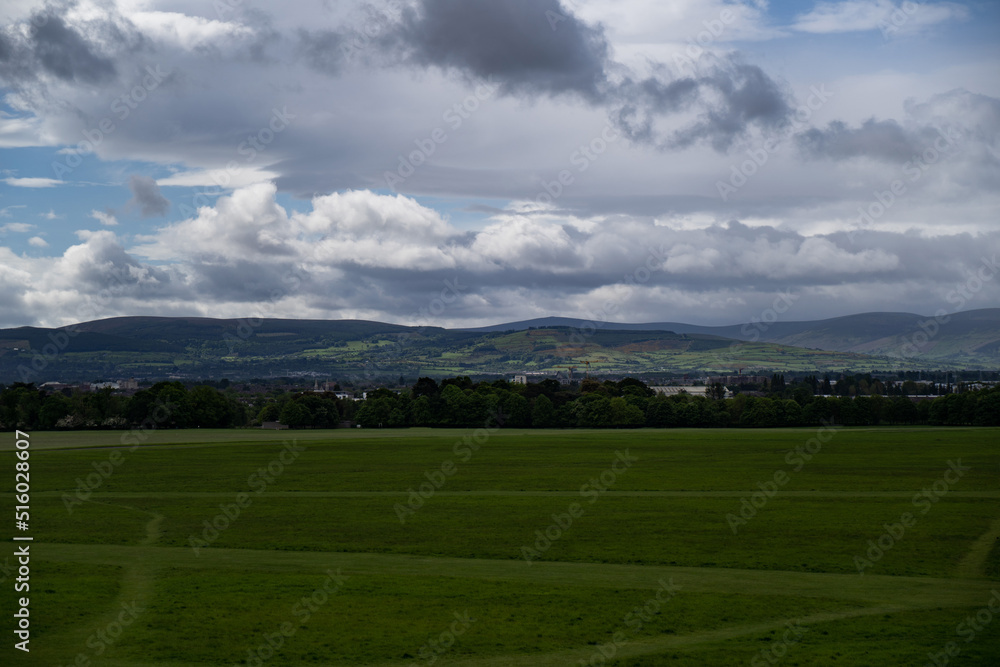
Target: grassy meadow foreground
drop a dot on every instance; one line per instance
(477, 549)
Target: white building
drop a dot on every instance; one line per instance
(693, 390)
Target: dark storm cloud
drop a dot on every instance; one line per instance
(15, 57)
(881, 140)
(748, 97)
(539, 48)
(530, 45)
(732, 97)
(146, 195)
(322, 49)
(6, 49)
(957, 116)
(67, 54)
(83, 53)
(102, 263)
(248, 281)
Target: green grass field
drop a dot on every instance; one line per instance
(527, 548)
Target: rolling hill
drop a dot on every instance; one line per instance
(194, 347)
(970, 338)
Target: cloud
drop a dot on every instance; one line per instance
(17, 227)
(5, 212)
(531, 45)
(362, 254)
(738, 96)
(949, 122)
(100, 263)
(885, 140)
(188, 32)
(38, 242)
(323, 50)
(885, 15)
(33, 182)
(146, 195)
(50, 46)
(68, 54)
(536, 49)
(523, 243)
(247, 225)
(51, 215)
(105, 218)
(212, 178)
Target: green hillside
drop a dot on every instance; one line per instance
(149, 347)
(969, 339)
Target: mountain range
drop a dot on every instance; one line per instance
(196, 348)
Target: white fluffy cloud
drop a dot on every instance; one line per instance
(106, 219)
(32, 182)
(189, 32)
(362, 254)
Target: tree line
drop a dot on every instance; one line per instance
(630, 403)
(461, 402)
(165, 405)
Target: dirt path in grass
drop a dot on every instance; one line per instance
(870, 589)
(97, 635)
(654, 645)
(973, 564)
(874, 594)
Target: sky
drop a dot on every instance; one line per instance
(470, 162)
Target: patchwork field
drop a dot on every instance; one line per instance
(475, 549)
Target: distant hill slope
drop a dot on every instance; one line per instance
(193, 347)
(186, 328)
(970, 337)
